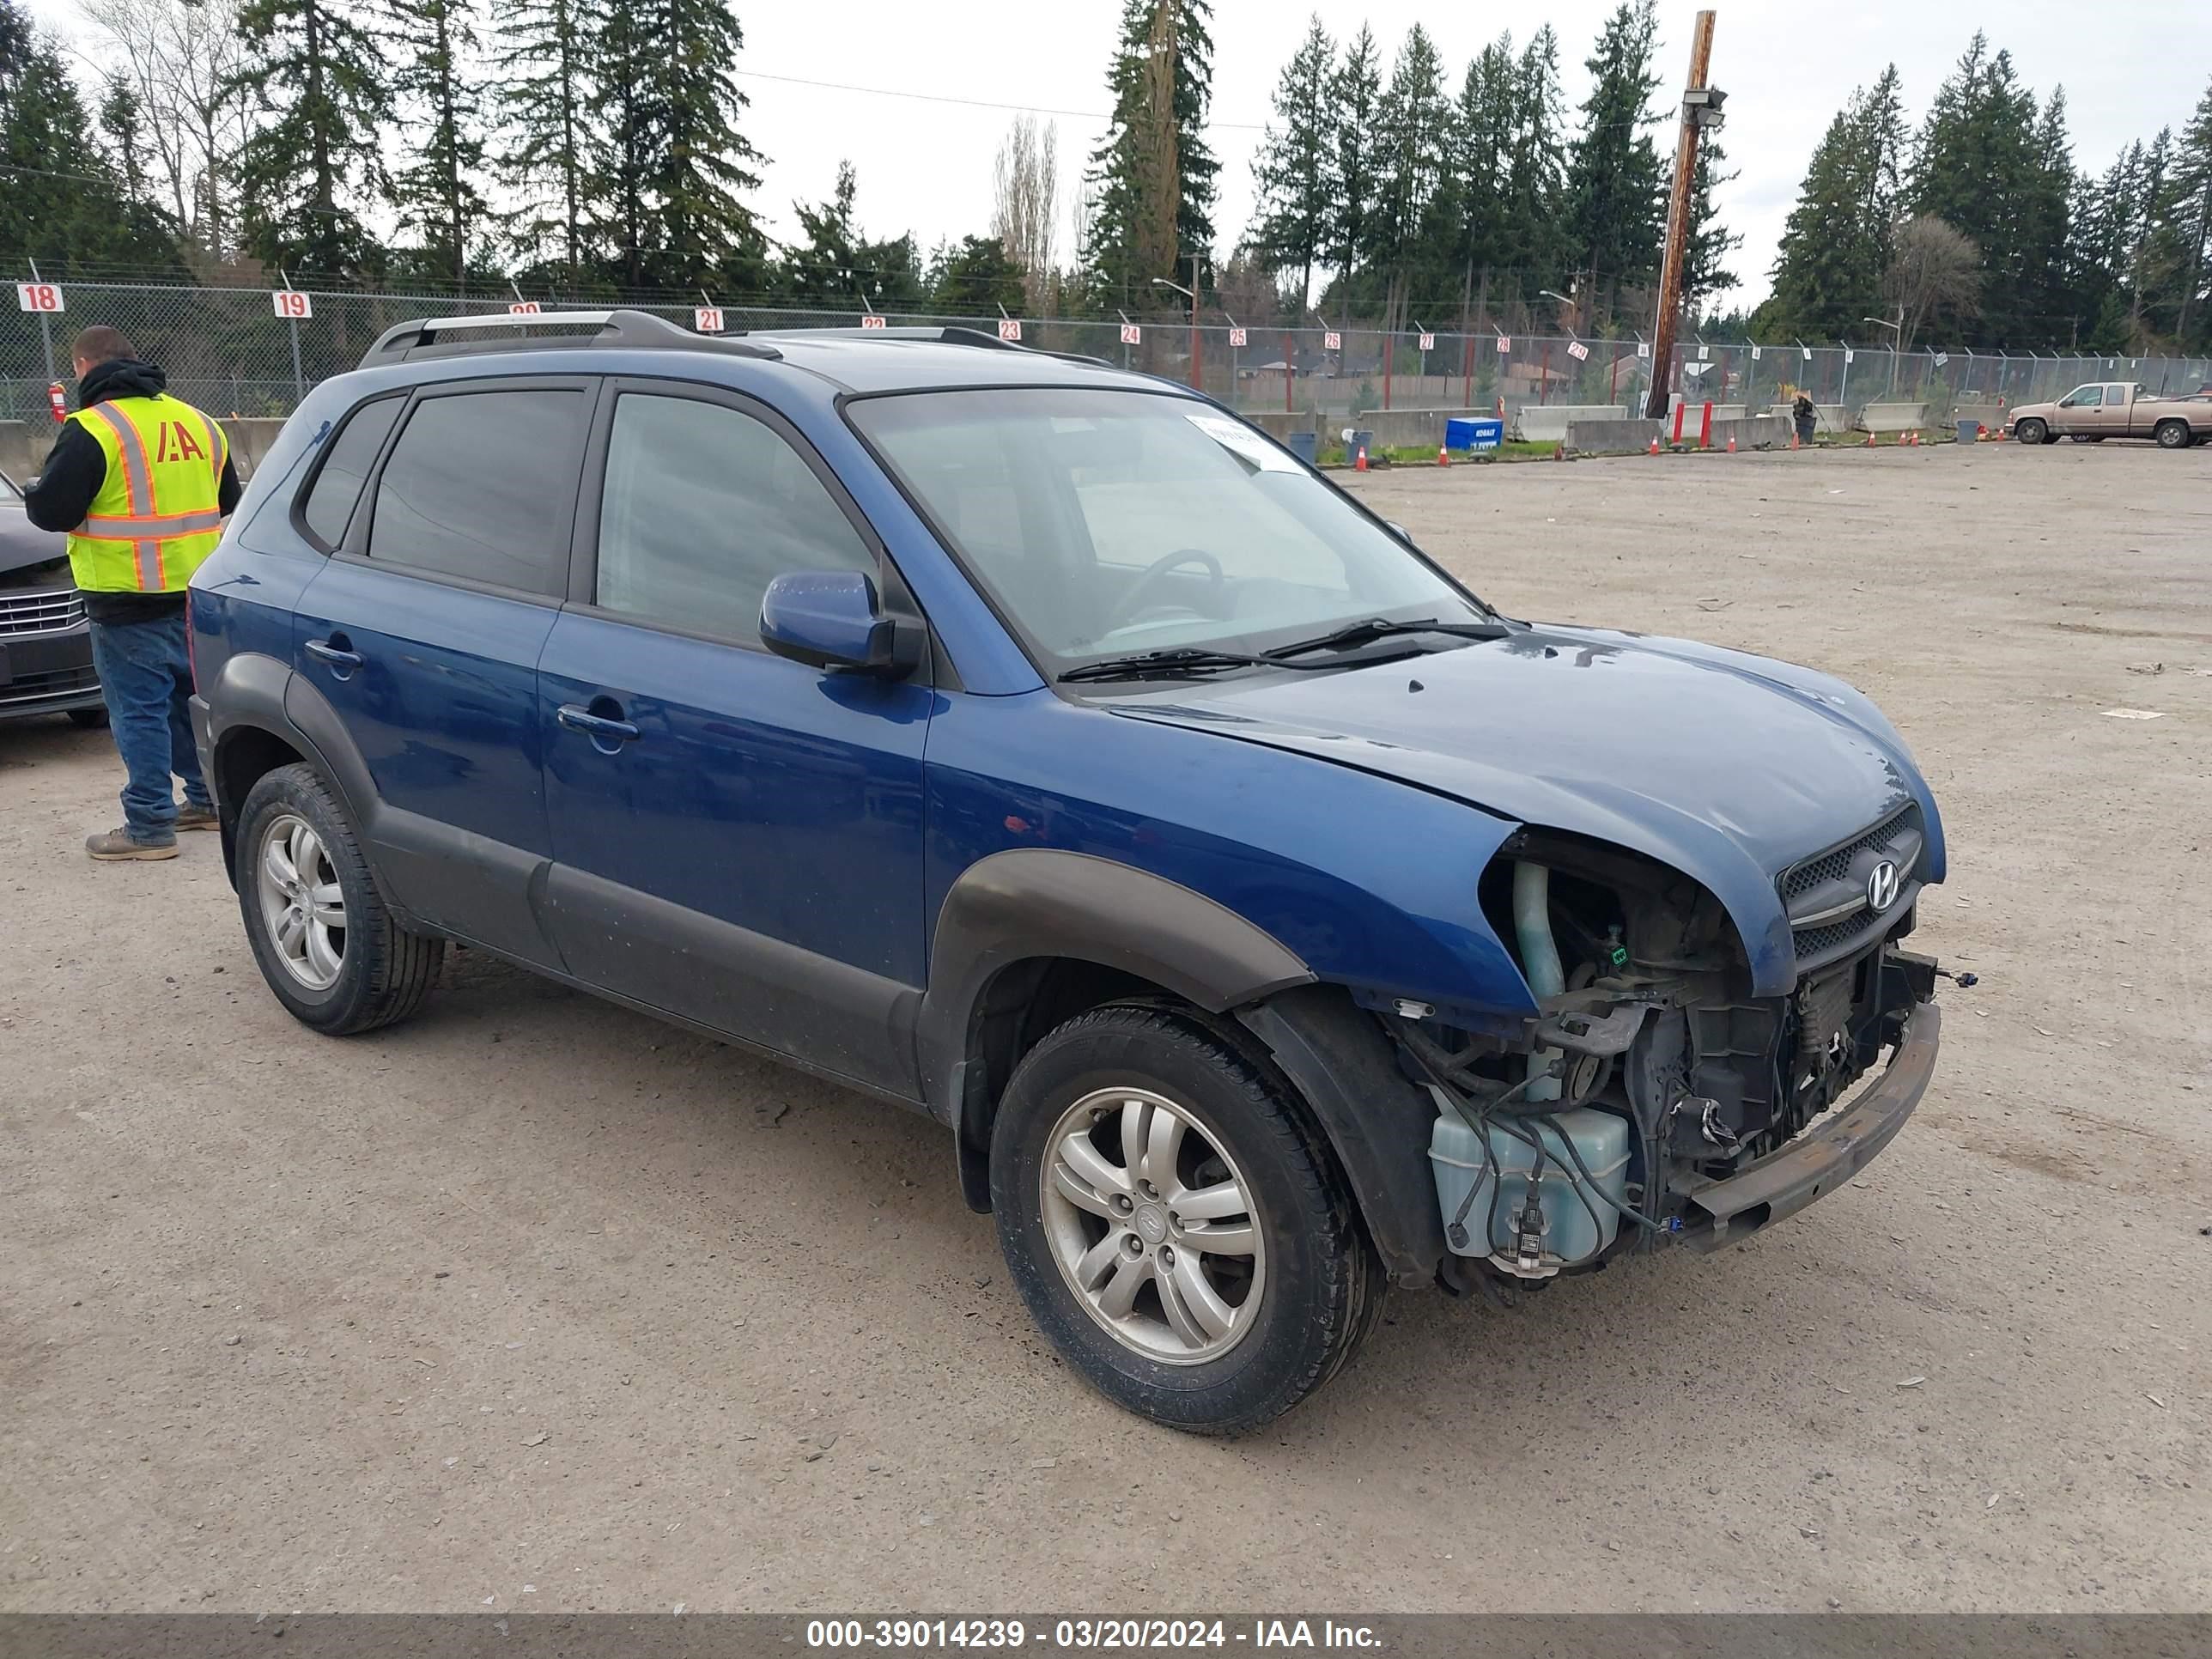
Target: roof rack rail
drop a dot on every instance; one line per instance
(622, 327)
(943, 333)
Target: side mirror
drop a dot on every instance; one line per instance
(830, 619)
(1399, 531)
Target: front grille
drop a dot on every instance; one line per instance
(53, 685)
(41, 613)
(1836, 865)
(1816, 941)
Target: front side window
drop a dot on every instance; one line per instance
(483, 485)
(1109, 522)
(704, 505)
(2083, 397)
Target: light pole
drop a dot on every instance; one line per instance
(1896, 339)
(1197, 375)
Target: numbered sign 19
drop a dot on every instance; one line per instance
(39, 296)
(1009, 328)
(873, 319)
(1237, 337)
(1332, 341)
(524, 308)
(1131, 334)
(1428, 342)
(707, 319)
(290, 302)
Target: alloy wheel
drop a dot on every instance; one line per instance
(302, 902)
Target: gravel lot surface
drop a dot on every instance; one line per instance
(535, 1304)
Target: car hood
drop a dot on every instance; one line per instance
(24, 546)
(1727, 767)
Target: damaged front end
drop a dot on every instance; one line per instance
(1655, 1100)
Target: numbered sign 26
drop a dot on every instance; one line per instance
(1237, 337)
(1428, 342)
(873, 319)
(39, 296)
(1131, 334)
(290, 302)
(1009, 328)
(524, 308)
(1332, 341)
(707, 319)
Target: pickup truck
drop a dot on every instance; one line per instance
(2114, 409)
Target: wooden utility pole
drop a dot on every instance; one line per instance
(1161, 193)
(1701, 108)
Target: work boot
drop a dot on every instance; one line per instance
(116, 845)
(190, 816)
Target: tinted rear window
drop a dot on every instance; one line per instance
(483, 485)
(336, 489)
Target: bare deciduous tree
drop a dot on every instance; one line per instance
(1027, 183)
(1933, 268)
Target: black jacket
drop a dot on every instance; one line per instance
(60, 496)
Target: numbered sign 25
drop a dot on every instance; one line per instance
(1237, 337)
(1010, 329)
(290, 302)
(873, 319)
(39, 296)
(708, 319)
(1132, 334)
(524, 308)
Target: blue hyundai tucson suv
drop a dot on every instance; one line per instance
(1040, 746)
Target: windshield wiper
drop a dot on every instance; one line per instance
(1376, 628)
(1166, 664)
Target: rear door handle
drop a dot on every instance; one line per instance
(597, 727)
(336, 655)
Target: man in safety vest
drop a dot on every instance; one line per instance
(141, 482)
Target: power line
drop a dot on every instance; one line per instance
(970, 103)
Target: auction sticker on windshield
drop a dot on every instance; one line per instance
(1244, 442)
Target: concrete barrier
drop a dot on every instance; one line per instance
(24, 444)
(1827, 417)
(250, 437)
(1618, 437)
(1991, 415)
(1892, 417)
(1394, 429)
(1548, 424)
(21, 454)
(1753, 432)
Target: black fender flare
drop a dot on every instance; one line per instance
(253, 691)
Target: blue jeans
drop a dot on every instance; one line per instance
(148, 678)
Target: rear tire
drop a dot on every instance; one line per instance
(2173, 435)
(1212, 1341)
(325, 941)
(2032, 431)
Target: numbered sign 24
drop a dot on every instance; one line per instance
(290, 302)
(39, 296)
(707, 319)
(1132, 334)
(1009, 328)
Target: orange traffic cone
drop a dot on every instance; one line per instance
(1870, 440)
(1654, 445)
(1360, 464)
(1444, 456)
(1792, 436)
(1731, 443)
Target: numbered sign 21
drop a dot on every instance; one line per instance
(708, 319)
(290, 302)
(1010, 329)
(524, 308)
(39, 296)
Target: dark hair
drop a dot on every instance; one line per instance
(101, 344)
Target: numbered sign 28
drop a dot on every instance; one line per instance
(1428, 342)
(873, 319)
(524, 308)
(1132, 334)
(39, 296)
(1505, 345)
(1009, 328)
(1578, 352)
(707, 319)
(290, 302)
(1237, 337)
(1332, 341)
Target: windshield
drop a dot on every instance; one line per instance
(1105, 523)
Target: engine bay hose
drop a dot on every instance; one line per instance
(1539, 960)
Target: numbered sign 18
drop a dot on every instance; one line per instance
(39, 296)
(524, 308)
(1010, 329)
(1428, 342)
(1237, 337)
(1332, 341)
(873, 319)
(290, 302)
(707, 319)
(1131, 334)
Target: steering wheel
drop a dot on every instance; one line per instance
(1140, 590)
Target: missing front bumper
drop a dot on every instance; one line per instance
(1832, 1151)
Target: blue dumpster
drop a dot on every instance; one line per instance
(1969, 431)
(1304, 445)
(1479, 434)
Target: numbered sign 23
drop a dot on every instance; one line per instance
(290, 302)
(1009, 328)
(708, 319)
(39, 296)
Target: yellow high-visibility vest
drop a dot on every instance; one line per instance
(158, 515)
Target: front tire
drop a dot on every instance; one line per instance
(2032, 431)
(325, 941)
(1176, 1228)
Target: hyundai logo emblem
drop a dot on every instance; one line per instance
(1882, 886)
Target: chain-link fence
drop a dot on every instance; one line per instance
(228, 351)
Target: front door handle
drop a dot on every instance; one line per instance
(597, 727)
(338, 656)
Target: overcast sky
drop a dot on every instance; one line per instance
(926, 167)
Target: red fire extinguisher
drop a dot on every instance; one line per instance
(60, 404)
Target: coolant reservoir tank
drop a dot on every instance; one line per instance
(1579, 1221)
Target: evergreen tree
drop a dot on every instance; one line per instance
(1413, 126)
(1144, 167)
(975, 278)
(834, 265)
(318, 78)
(1837, 242)
(2180, 242)
(548, 98)
(1356, 94)
(1977, 169)
(1536, 239)
(436, 193)
(122, 119)
(1293, 167)
(1705, 255)
(1472, 200)
(1616, 208)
